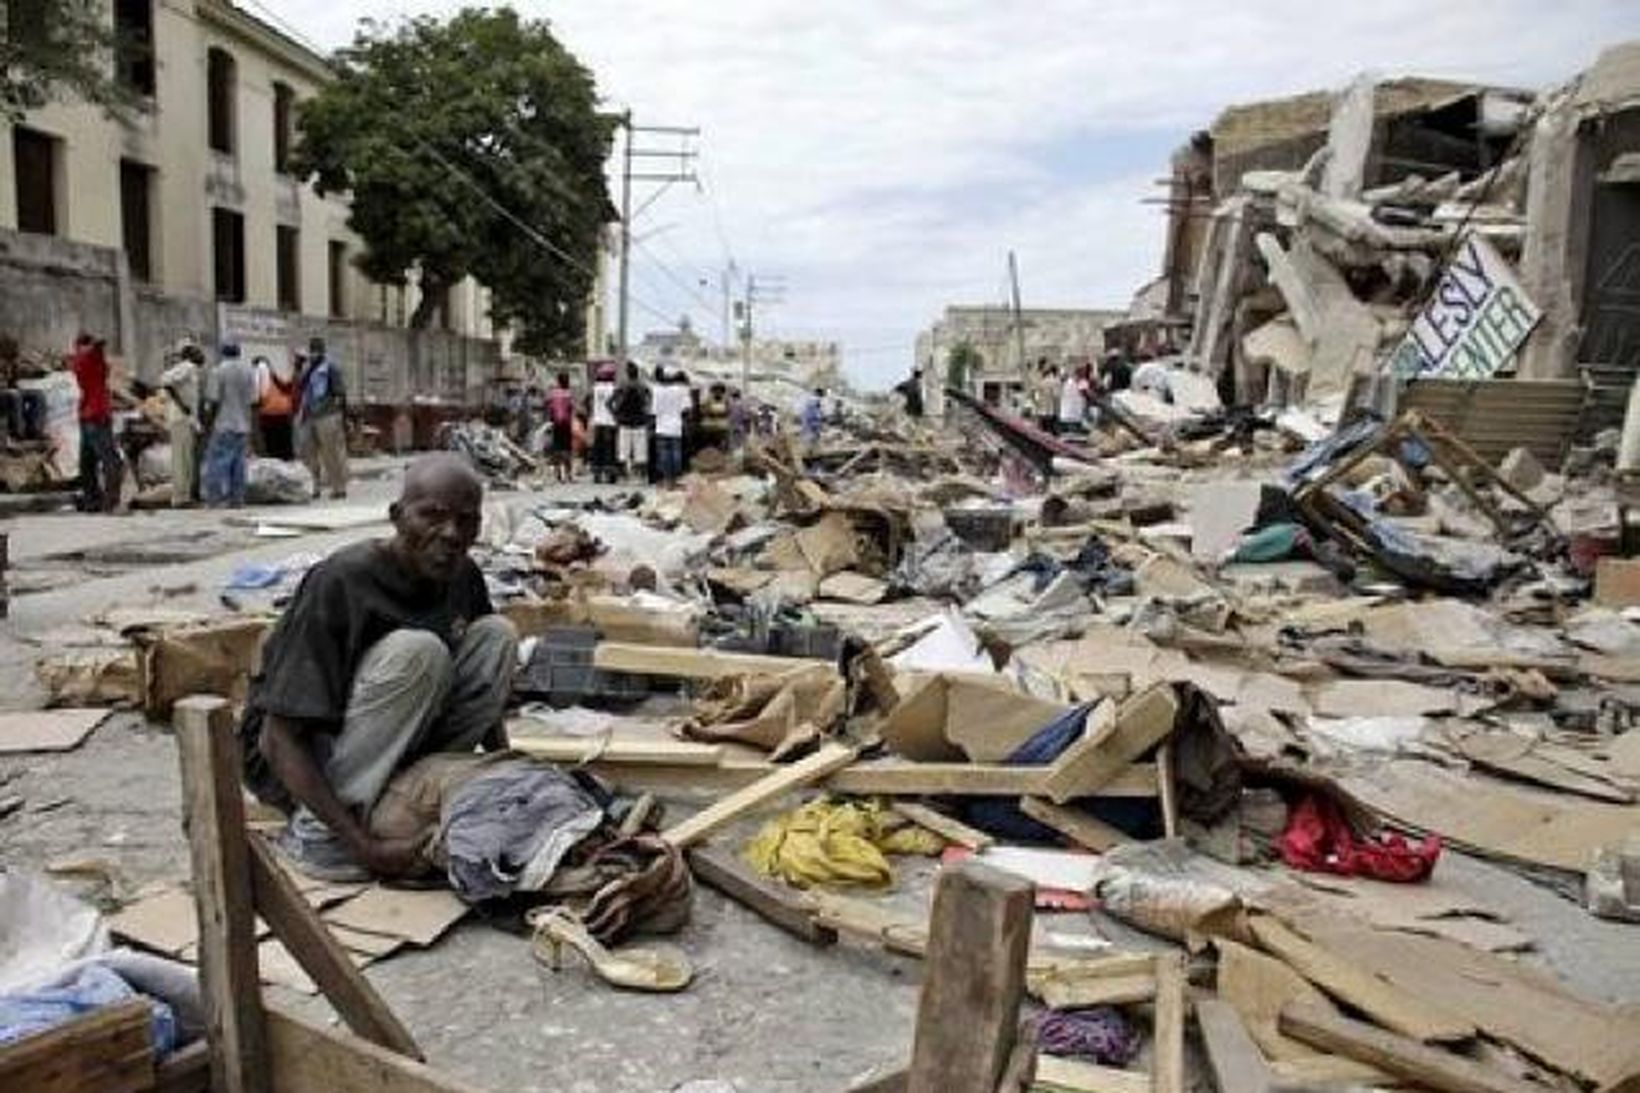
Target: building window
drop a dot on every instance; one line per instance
(35, 159)
(288, 257)
(338, 279)
(228, 250)
(221, 80)
(137, 217)
(134, 44)
(284, 110)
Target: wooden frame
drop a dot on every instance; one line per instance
(253, 1046)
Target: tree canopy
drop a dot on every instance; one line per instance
(469, 146)
(58, 48)
(962, 362)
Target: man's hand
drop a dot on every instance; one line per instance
(392, 858)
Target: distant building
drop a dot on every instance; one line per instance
(1062, 335)
(808, 363)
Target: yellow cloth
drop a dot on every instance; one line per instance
(832, 842)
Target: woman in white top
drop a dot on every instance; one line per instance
(671, 401)
(1073, 403)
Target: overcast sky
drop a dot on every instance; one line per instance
(882, 156)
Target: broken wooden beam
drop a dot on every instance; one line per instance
(828, 759)
(1167, 1052)
(1238, 1065)
(949, 828)
(679, 662)
(784, 906)
(1076, 825)
(1111, 743)
(968, 1017)
(104, 1051)
(213, 814)
(1402, 1056)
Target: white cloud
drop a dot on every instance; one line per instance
(884, 155)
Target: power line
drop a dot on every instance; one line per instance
(682, 285)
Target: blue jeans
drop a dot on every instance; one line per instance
(225, 468)
(669, 457)
(100, 468)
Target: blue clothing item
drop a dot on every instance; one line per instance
(224, 477)
(669, 457)
(810, 420)
(322, 391)
(91, 988)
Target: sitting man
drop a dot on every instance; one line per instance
(389, 650)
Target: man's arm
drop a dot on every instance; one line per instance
(292, 763)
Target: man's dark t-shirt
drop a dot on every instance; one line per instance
(344, 605)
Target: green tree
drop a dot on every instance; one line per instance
(469, 146)
(59, 49)
(964, 360)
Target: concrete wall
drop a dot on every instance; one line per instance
(50, 290)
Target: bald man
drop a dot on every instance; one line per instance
(390, 650)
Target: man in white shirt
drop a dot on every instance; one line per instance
(1073, 403)
(671, 400)
(182, 390)
(604, 426)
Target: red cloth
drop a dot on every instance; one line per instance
(1318, 840)
(91, 373)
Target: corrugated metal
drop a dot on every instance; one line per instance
(1494, 416)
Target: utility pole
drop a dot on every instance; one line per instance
(1019, 318)
(765, 293)
(679, 169)
(726, 279)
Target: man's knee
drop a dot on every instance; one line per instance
(408, 657)
(492, 642)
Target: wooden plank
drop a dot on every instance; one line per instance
(1109, 990)
(185, 1071)
(1349, 983)
(1085, 767)
(829, 758)
(296, 924)
(890, 777)
(897, 933)
(781, 904)
(1076, 825)
(1021, 1069)
(968, 1017)
(1164, 791)
(579, 750)
(104, 1051)
(946, 827)
(214, 818)
(892, 1082)
(681, 663)
(304, 1058)
(1167, 1064)
(1402, 1056)
(1238, 1065)
(1074, 1076)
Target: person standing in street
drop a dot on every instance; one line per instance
(1073, 403)
(911, 390)
(604, 428)
(275, 409)
(100, 468)
(322, 416)
(182, 395)
(1045, 396)
(231, 395)
(561, 417)
(810, 415)
(630, 406)
(671, 400)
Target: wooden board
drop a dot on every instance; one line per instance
(1058, 1075)
(418, 916)
(1076, 825)
(1108, 747)
(829, 758)
(322, 956)
(888, 777)
(47, 730)
(1167, 1051)
(781, 904)
(1398, 1055)
(682, 663)
(1350, 983)
(946, 827)
(968, 1017)
(857, 917)
(214, 816)
(1237, 1064)
(304, 1058)
(578, 750)
(104, 1051)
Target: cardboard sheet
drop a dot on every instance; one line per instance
(949, 717)
(47, 730)
(419, 916)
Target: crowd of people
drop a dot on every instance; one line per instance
(216, 415)
(1066, 401)
(628, 426)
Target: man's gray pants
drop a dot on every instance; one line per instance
(412, 696)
